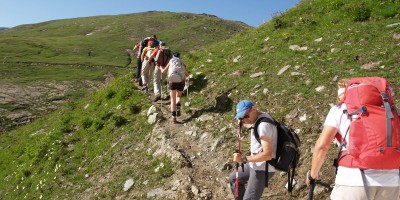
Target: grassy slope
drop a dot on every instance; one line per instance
(347, 43)
(86, 49)
(51, 156)
(106, 38)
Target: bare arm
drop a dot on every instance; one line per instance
(320, 150)
(165, 69)
(265, 155)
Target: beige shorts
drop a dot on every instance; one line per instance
(341, 192)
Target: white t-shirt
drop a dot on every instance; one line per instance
(264, 129)
(352, 176)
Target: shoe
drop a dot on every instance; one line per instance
(178, 111)
(144, 88)
(156, 98)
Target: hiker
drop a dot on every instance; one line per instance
(177, 73)
(139, 47)
(147, 65)
(254, 173)
(349, 183)
(161, 56)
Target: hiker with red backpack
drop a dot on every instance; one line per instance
(161, 57)
(253, 172)
(366, 125)
(177, 73)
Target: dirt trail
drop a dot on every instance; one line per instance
(201, 161)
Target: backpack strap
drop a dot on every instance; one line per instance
(259, 120)
(389, 117)
(257, 136)
(365, 183)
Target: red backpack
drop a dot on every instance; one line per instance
(374, 132)
(163, 56)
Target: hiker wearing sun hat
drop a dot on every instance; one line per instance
(253, 172)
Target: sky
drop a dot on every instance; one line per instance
(251, 12)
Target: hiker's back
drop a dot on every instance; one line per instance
(176, 71)
(374, 132)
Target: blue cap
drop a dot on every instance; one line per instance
(242, 107)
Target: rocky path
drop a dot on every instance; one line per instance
(200, 175)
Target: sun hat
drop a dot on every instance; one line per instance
(242, 107)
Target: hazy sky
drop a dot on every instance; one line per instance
(251, 12)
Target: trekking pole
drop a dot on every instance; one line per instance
(311, 191)
(237, 164)
(187, 104)
(161, 83)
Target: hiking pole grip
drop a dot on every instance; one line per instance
(311, 191)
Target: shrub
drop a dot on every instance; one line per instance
(135, 109)
(110, 94)
(119, 121)
(279, 23)
(362, 14)
(98, 125)
(86, 123)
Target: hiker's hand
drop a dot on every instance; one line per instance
(237, 157)
(310, 180)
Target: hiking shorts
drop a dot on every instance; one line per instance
(341, 192)
(177, 86)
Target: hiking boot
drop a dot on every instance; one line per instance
(156, 98)
(178, 110)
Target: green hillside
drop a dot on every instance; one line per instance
(106, 136)
(44, 64)
(103, 40)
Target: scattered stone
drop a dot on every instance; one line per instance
(257, 75)
(283, 69)
(290, 116)
(370, 66)
(297, 48)
(265, 91)
(128, 184)
(152, 118)
(318, 40)
(296, 74)
(320, 88)
(151, 110)
(87, 106)
(392, 25)
(303, 118)
(195, 190)
(204, 118)
(237, 59)
(266, 39)
(209, 60)
(217, 143)
(223, 129)
(158, 192)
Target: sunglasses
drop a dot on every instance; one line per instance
(245, 116)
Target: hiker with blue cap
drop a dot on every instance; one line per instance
(254, 165)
